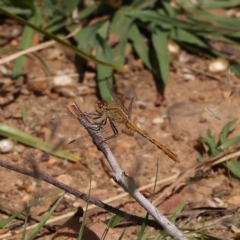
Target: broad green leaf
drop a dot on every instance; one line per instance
(139, 4)
(31, 141)
(18, 11)
(231, 23)
(24, 4)
(226, 130)
(234, 167)
(118, 33)
(140, 45)
(160, 44)
(182, 35)
(104, 52)
(207, 4)
(86, 38)
(166, 22)
(36, 230)
(87, 11)
(169, 9)
(211, 143)
(120, 25)
(25, 42)
(103, 30)
(61, 41)
(229, 143)
(69, 6)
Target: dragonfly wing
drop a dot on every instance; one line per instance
(115, 96)
(129, 110)
(81, 142)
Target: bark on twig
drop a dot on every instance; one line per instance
(121, 178)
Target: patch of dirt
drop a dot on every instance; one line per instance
(181, 119)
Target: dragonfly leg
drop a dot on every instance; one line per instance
(115, 131)
(90, 115)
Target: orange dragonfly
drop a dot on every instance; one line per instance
(120, 115)
(115, 115)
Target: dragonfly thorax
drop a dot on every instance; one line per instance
(101, 106)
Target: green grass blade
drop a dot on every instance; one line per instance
(81, 230)
(46, 68)
(178, 211)
(160, 42)
(144, 225)
(24, 114)
(4, 222)
(219, 4)
(226, 130)
(61, 41)
(31, 141)
(25, 222)
(44, 220)
(25, 42)
(122, 235)
(139, 45)
(113, 221)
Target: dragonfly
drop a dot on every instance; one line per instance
(116, 115)
(120, 115)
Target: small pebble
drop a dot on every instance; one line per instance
(188, 77)
(157, 120)
(218, 65)
(6, 145)
(20, 184)
(15, 157)
(29, 188)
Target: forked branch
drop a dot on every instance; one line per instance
(120, 177)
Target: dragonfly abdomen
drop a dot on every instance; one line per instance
(170, 154)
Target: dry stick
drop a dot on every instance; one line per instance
(47, 178)
(37, 47)
(118, 175)
(127, 216)
(212, 162)
(121, 178)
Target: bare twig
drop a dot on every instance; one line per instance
(122, 178)
(47, 178)
(118, 175)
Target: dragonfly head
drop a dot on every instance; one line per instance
(101, 106)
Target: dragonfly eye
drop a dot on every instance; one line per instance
(100, 106)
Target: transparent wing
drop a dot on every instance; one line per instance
(70, 134)
(115, 96)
